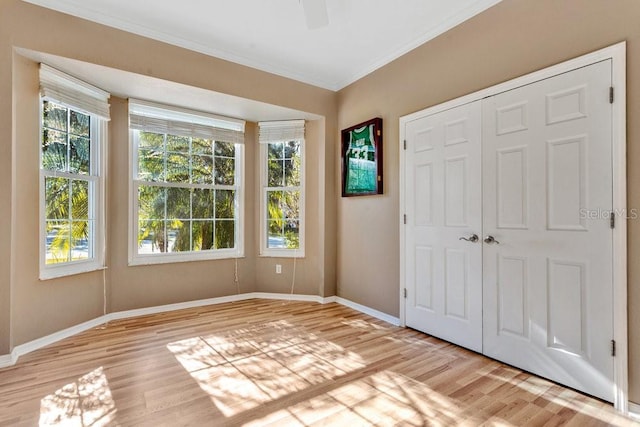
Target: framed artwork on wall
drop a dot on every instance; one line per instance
(362, 159)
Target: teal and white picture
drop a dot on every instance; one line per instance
(362, 157)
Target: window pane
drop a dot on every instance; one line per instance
(151, 202)
(275, 176)
(79, 199)
(275, 150)
(202, 203)
(151, 140)
(292, 149)
(80, 234)
(177, 143)
(292, 234)
(275, 234)
(54, 116)
(174, 219)
(57, 242)
(292, 173)
(202, 146)
(224, 171)
(177, 167)
(225, 149)
(225, 234)
(54, 150)
(179, 236)
(151, 237)
(202, 235)
(150, 165)
(79, 124)
(68, 203)
(291, 204)
(225, 200)
(56, 198)
(201, 169)
(178, 203)
(79, 155)
(274, 204)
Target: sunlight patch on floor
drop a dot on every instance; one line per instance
(86, 402)
(363, 324)
(383, 398)
(244, 368)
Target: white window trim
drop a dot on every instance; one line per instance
(96, 203)
(172, 257)
(281, 252)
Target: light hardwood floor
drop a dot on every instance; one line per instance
(266, 362)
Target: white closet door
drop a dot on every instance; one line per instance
(443, 187)
(547, 177)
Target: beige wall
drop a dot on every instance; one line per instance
(39, 308)
(513, 38)
(30, 308)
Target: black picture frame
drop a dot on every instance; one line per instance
(361, 156)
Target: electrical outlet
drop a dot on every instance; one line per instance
(278, 269)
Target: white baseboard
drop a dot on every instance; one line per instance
(287, 297)
(22, 349)
(370, 311)
(177, 306)
(7, 360)
(634, 411)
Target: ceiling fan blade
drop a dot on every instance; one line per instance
(315, 13)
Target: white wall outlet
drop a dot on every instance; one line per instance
(278, 269)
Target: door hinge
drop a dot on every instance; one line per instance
(611, 95)
(405, 144)
(405, 218)
(405, 292)
(613, 348)
(612, 220)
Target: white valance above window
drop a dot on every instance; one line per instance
(278, 131)
(151, 117)
(74, 93)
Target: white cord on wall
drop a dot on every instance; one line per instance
(293, 277)
(104, 291)
(235, 277)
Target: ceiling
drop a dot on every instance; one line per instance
(127, 85)
(272, 35)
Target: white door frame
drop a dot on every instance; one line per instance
(617, 53)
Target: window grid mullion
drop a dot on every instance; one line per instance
(165, 234)
(68, 140)
(183, 185)
(190, 154)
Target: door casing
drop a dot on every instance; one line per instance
(617, 53)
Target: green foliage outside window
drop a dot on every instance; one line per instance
(196, 212)
(284, 163)
(66, 148)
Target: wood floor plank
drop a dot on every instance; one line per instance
(268, 362)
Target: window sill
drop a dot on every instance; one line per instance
(49, 273)
(170, 258)
(282, 253)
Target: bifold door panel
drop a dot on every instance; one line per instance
(508, 246)
(548, 286)
(444, 260)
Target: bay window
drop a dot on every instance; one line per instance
(186, 185)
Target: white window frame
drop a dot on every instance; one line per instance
(264, 189)
(98, 132)
(181, 114)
